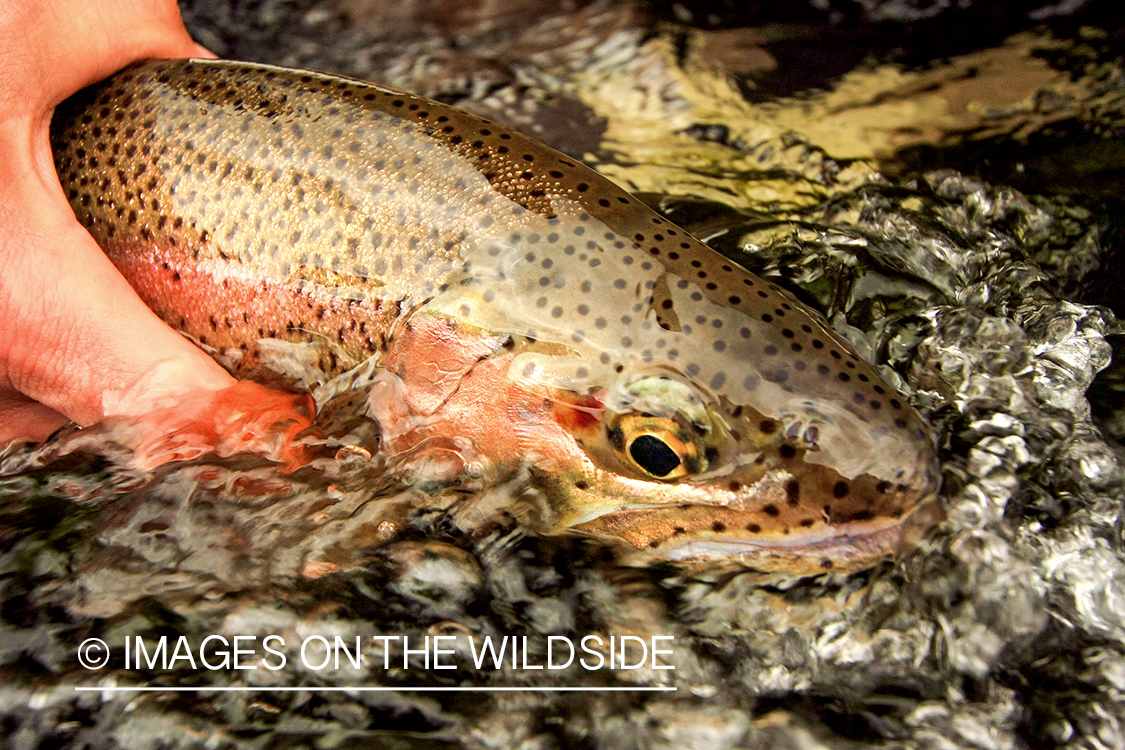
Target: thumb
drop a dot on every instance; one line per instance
(39, 41)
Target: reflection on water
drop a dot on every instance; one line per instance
(1002, 630)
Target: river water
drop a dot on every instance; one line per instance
(943, 183)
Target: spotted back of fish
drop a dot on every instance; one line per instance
(247, 202)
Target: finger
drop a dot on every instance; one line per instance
(72, 331)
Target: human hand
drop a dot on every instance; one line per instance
(76, 342)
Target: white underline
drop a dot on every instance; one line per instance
(313, 689)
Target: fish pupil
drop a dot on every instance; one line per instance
(653, 455)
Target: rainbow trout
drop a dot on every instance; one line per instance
(525, 312)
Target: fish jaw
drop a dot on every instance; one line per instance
(691, 538)
(697, 534)
(778, 513)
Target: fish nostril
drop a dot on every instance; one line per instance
(812, 435)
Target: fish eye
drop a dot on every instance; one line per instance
(658, 447)
(654, 455)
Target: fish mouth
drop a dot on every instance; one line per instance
(875, 538)
(739, 536)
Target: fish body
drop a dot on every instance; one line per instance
(525, 311)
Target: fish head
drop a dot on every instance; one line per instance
(688, 406)
(669, 466)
